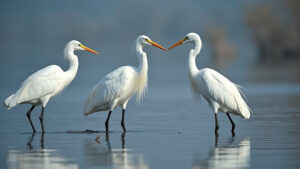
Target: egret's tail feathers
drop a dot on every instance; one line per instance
(10, 102)
(87, 110)
(86, 113)
(246, 113)
(245, 110)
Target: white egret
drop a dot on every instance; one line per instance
(117, 87)
(220, 93)
(42, 85)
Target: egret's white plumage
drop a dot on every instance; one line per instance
(44, 84)
(220, 93)
(31, 90)
(116, 88)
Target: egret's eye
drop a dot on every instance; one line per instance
(186, 38)
(79, 45)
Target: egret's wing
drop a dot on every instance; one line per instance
(39, 84)
(117, 83)
(111, 87)
(220, 89)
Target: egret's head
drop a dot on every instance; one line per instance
(145, 40)
(78, 46)
(190, 37)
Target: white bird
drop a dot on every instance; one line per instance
(117, 87)
(222, 95)
(42, 85)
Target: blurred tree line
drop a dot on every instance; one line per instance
(276, 32)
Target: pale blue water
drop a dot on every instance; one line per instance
(167, 130)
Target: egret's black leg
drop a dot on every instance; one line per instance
(217, 124)
(122, 122)
(232, 123)
(107, 121)
(42, 119)
(28, 116)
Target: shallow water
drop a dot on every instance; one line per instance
(167, 130)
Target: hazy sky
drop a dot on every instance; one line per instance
(34, 33)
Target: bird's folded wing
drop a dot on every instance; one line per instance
(39, 84)
(221, 90)
(112, 86)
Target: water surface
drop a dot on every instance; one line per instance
(167, 130)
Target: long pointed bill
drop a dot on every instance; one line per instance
(88, 49)
(157, 45)
(177, 44)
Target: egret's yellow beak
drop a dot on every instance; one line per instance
(156, 45)
(178, 43)
(88, 49)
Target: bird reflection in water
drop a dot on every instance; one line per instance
(227, 155)
(39, 158)
(109, 156)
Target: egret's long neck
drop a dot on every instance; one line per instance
(142, 76)
(192, 57)
(143, 62)
(72, 58)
